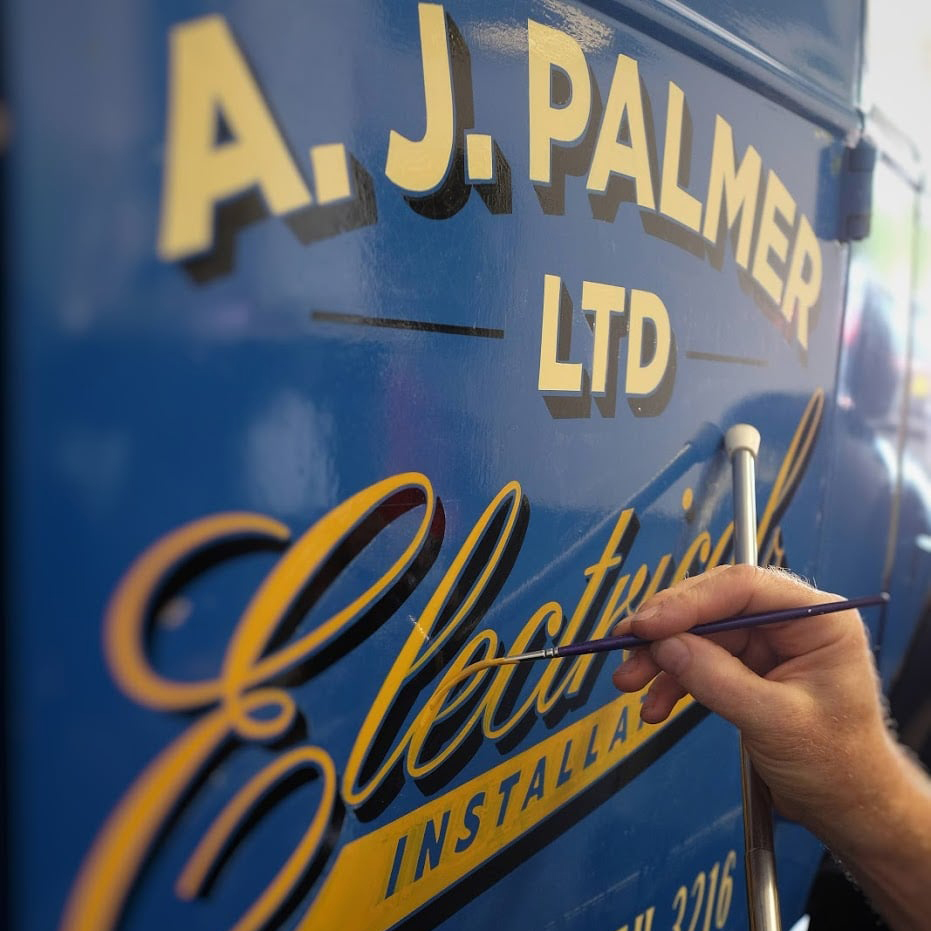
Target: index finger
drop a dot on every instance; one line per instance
(725, 591)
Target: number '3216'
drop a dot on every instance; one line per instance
(709, 899)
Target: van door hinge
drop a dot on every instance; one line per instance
(856, 191)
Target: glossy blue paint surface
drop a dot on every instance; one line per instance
(819, 42)
(144, 396)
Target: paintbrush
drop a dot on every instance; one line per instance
(630, 641)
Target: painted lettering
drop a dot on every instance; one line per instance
(674, 201)
(421, 166)
(778, 204)
(208, 79)
(735, 189)
(549, 123)
(645, 371)
(613, 157)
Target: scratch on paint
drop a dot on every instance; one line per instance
(417, 624)
(589, 903)
(725, 824)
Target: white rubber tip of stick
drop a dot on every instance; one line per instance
(742, 436)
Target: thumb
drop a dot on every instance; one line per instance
(720, 681)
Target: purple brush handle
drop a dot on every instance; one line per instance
(628, 641)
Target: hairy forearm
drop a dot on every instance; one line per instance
(806, 698)
(886, 843)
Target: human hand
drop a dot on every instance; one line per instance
(804, 694)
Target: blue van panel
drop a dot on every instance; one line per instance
(304, 411)
(818, 42)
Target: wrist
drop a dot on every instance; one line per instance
(884, 840)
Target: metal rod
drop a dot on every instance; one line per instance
(743, 443)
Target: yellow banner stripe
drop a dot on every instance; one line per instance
(380, 879)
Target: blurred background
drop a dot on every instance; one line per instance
(898, 65)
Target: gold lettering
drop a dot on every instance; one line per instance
(790, 473)
(247, 706)
(447, 610)
(120, 850)
(209, 851)
(244, 709)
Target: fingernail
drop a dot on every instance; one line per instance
(672, 655)
(645, 613)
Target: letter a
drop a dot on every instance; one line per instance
(208, 78)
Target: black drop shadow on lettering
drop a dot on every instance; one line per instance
(620, 188)
(311, 874)
(512, 695)
(251, 543)
(661, 227)
(415, 689)
(323, 221)
(496, 194)
(452, 194)
(552, 718)
(562, 407)
(607, 403)
(134, 900)
(455, 897)
(714, 251)
(201, 561)
(760, 297)
(239, 211)
(230, 218)
(755, 291)
(555, 715)
(198, 563)
(652, 405)
(569, 159)
(571, 703)
(809, 427)
(440, 734)
(390, 510)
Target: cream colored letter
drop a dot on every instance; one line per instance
(738, 188)
(771, 237)
(420, 167)
(613, 157)
(207, 76)
(802, 292)
(555, 377)
(674, 202)
(604, 301)
(645, 379)
(550, 48)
